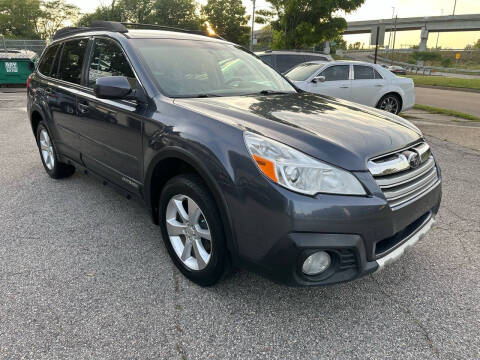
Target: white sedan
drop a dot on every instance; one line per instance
(360, 82)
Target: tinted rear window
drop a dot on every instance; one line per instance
(45, 65)
(315, 58)
(267, 59)
(286, 62)
(71, 62)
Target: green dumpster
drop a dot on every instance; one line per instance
(15, 66)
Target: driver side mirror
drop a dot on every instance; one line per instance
(318, 79)
(113, 87)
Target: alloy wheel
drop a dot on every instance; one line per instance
(188, 232)
(46, 147)
(390, 104)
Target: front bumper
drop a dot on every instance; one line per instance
(409, 242)
(281, 229)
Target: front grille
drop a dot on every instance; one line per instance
(406, 175)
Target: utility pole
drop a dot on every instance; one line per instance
(390, 32)
(454, 6)
(253, 24)
(376, 45)
(394, 37)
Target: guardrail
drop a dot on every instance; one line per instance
(426, 70)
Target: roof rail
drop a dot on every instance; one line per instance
(122, 28)
(170, 28)
(66, 31)
(96, 25)
(161, 27)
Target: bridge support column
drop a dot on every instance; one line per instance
(423, 39)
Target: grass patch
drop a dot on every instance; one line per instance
(435, 110)
(445, 81)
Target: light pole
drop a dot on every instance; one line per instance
(253, 24)
(454, 6)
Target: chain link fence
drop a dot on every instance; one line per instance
(36, 46)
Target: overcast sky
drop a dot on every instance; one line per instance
(376, 9)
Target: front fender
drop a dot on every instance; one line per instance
(390, 88)
(212, 163)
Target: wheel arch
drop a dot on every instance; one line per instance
(35, 118)
(395, 92)
(172, 162)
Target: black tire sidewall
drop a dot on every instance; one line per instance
(396, 98)
(60, 170)
(54, 171)
(192, 186)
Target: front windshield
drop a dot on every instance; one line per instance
(189, 68)
(303, 71)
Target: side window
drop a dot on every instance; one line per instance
(267, 59)
(336, 73)
(377, 75)
(46, 62)
(286, 62)
(73, 54)
(363, 72)
(108, 59)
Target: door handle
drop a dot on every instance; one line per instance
(344, 87)
(379, 85)
(83, 108)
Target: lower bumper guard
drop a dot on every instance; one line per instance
(392, 257)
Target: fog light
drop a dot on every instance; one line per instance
(316, 263)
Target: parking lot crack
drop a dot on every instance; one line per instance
(177, 314)
(406, 310)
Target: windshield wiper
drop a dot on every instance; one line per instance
(271, 92)
(207, 95)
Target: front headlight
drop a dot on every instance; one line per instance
(299, 172)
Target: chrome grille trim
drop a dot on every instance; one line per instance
(397, 162)
(389, 181)
(402, 182)
(406, 189)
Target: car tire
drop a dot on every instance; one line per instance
(192, 230)
(390, 103)
(49, 156)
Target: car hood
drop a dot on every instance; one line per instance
(333, 130)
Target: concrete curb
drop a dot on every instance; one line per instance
(448, 88)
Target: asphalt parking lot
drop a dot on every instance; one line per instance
(84, 275)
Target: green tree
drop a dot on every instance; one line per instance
(427, 56)
(55, 14)
(303, 23)
(477, 44)
(136, 11)
(110, 12)
(229, 19)
(176, 13)
(19, 18)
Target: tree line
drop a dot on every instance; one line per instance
(294, 24)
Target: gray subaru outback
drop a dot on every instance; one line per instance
(237, 166)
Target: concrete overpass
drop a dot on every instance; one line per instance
(426, 25)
